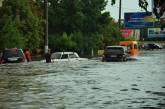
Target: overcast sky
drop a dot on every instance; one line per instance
(127, 6)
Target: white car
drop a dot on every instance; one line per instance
(66, 56)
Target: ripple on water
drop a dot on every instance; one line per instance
(163, 86)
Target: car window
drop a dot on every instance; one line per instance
(129, 46)
(114, 49)
(135, 46)
(56, 56)
(64, 56)
(73, 56)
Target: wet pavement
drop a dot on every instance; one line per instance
(135, 84)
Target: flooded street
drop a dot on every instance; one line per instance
(135, 84)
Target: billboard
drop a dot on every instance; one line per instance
(156, 33)
(130, 33)
(138, 19)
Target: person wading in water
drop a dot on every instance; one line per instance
(28, 55)
(48, 56)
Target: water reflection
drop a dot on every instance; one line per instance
(137, 84)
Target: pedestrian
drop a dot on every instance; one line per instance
(28, 55)
(48, 56)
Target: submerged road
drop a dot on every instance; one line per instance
(135, 84)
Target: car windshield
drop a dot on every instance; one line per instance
(56, 56)
(12, 53)
(114, 49)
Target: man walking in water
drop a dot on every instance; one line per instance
(48, 56)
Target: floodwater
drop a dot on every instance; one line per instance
(135, 84)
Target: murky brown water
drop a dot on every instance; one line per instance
(136, 84)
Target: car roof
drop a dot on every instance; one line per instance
(8, 49)
(115, 47)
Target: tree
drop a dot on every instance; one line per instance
(111, 34)
(77, 37)
(20, 24)
(62, 43)
(10, 36)
(65, 16)
(84, 18)
(95, 20)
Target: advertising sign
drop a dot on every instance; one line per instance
(156, 33)
(126, 33)
(138, 19)
(131, 33)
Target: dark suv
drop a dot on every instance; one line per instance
(12, 56)
(115, 53)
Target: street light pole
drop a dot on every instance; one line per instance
(46, 26)
(119, 14)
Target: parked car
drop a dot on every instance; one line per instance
(66, 56)
(13, 55)
(115, 53)
(153, 46)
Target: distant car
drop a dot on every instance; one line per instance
(115, 53)
(13, 55)
(154, 46)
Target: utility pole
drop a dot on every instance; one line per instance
(119, 14)
(46, 26)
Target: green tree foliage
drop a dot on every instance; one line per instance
(111, 34)
(67, 43)
(20, 24)
(83, 21)
(62, 43)
(65, 16)
(10, 36)
(77, 37)
(94, 17)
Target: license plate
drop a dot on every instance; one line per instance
(12, 59)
